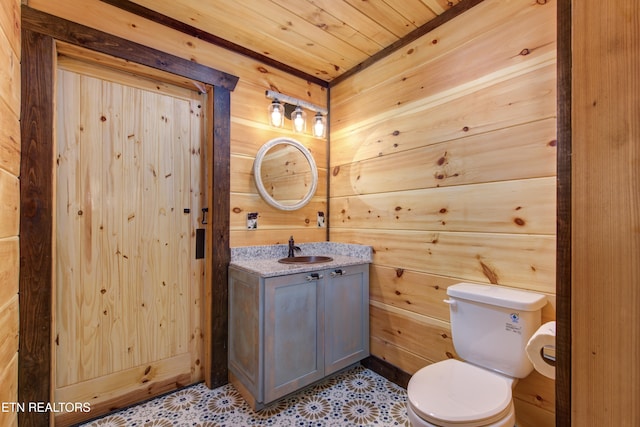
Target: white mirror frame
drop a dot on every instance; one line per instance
(257, 164)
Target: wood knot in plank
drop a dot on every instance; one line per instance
(488, 272)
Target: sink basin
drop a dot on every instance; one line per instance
(310, 259)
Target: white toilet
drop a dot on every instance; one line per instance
(490, 326)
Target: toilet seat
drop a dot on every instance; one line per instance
(452, 393)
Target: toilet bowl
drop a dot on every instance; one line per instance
(454, 393)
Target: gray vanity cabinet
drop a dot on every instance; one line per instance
(286, 332)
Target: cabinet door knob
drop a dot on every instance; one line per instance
(314, 276)
(338, 272)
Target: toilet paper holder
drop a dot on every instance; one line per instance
(548, 354)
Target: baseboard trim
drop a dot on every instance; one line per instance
(387, 370)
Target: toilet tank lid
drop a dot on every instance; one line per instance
(499, 296)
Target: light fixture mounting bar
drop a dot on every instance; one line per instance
(295, 101)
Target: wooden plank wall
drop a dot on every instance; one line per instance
(10, 52)
(605, 204)
(249, 128)
(443, 158)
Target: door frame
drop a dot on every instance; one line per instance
(563, 215)
(40, 33)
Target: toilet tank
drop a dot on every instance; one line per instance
(491, 325)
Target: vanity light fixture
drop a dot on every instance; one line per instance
(294, 109)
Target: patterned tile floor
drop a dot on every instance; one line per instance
(354, 397)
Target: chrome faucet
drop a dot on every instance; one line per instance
(293, 248)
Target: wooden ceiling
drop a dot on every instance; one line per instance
(320, 40)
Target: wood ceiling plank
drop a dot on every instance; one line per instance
(439, 6)
(384, 15)
(298, 32)
(290, 39)
(324, 20)
(366, 26)
(415, 11)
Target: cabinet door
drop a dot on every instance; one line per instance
(244, 330)
(346, 317)
(293, 333)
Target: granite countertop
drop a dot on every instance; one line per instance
(263, 260)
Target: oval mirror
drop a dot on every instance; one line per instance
(285, 173)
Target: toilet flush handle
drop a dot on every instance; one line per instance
(452, 303)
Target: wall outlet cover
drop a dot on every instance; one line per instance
(252, 220)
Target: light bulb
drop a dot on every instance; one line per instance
(276, 116)
(318, 125)
(299, 120)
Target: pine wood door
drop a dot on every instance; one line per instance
(130, 182)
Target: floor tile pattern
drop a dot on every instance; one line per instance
(351, 398)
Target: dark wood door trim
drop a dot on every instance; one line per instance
(563, 218)
(36, 225)
(39, 35)
(221, 204)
